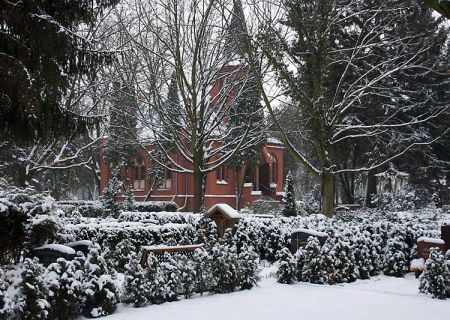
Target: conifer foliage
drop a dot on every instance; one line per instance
(65, 282)
(33, 302)
(100, 297)
(111, 195)
(396, 262)
(136, 288)
(435, 279)
(289, 205)
(41, 52)
(287, 271)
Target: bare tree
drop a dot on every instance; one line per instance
(180, 45)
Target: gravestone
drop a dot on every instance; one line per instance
(299, 238)
(49, 253)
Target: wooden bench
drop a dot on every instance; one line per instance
(159, 251)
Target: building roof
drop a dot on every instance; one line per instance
(224, 209)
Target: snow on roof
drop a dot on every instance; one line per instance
(311, 232)
(225, 209)
(431, 240)
(58, 247)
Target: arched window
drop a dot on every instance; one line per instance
(274, 169)
(139, 174)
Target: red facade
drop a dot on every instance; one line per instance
(261, 181)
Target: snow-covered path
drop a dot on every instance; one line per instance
(381, 298)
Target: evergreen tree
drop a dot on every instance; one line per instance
(188, 276)
(313, 270)
(203, 267)
(329, 261)
(121, 255)
(299, 257)
(100, 292)
(225, 268)
(156, 281)
(395, 260)
(3, 287)
(287, 271)
(435, 279)
(289, 204)
(128, 203)
(33, 303)
(248, 267)
(42, 52)
(172, 278)
(111, 195)
(136, 289)
(120, 148)
(65, 282)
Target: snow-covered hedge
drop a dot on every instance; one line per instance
(95, 209)
(359, 248)
(109, 232)
(216, 268)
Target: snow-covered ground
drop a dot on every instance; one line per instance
(381, 298)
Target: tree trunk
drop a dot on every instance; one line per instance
(371, 188)
(327, 194)
(198, 191)
(22, 180)
(238, 184)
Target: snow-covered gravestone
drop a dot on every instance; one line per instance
(49, 253)
(299, 238)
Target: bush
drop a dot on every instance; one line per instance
(3, 287)
(32, 301)
(136, 288)
(155, 206)
(43, 230)
(100, 292)
(287, 271)
(248, 268)
(435, 279)
(64, 280)
(313, 266)
(395, 260)
(13, 233)
(289, 204)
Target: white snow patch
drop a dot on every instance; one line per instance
(431, 240)
(58, 247)
(311, 232)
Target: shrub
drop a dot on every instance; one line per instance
(136, 288)
(313, 267)
(32, 300)
(64, 279)
(248, 268)
(111, 193)
(100, 292)
(43, 230)
(289, 204)
(287, 271)
(435, 279)
(395, 260)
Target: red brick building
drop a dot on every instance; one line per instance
(262, 180)
(265, 179)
